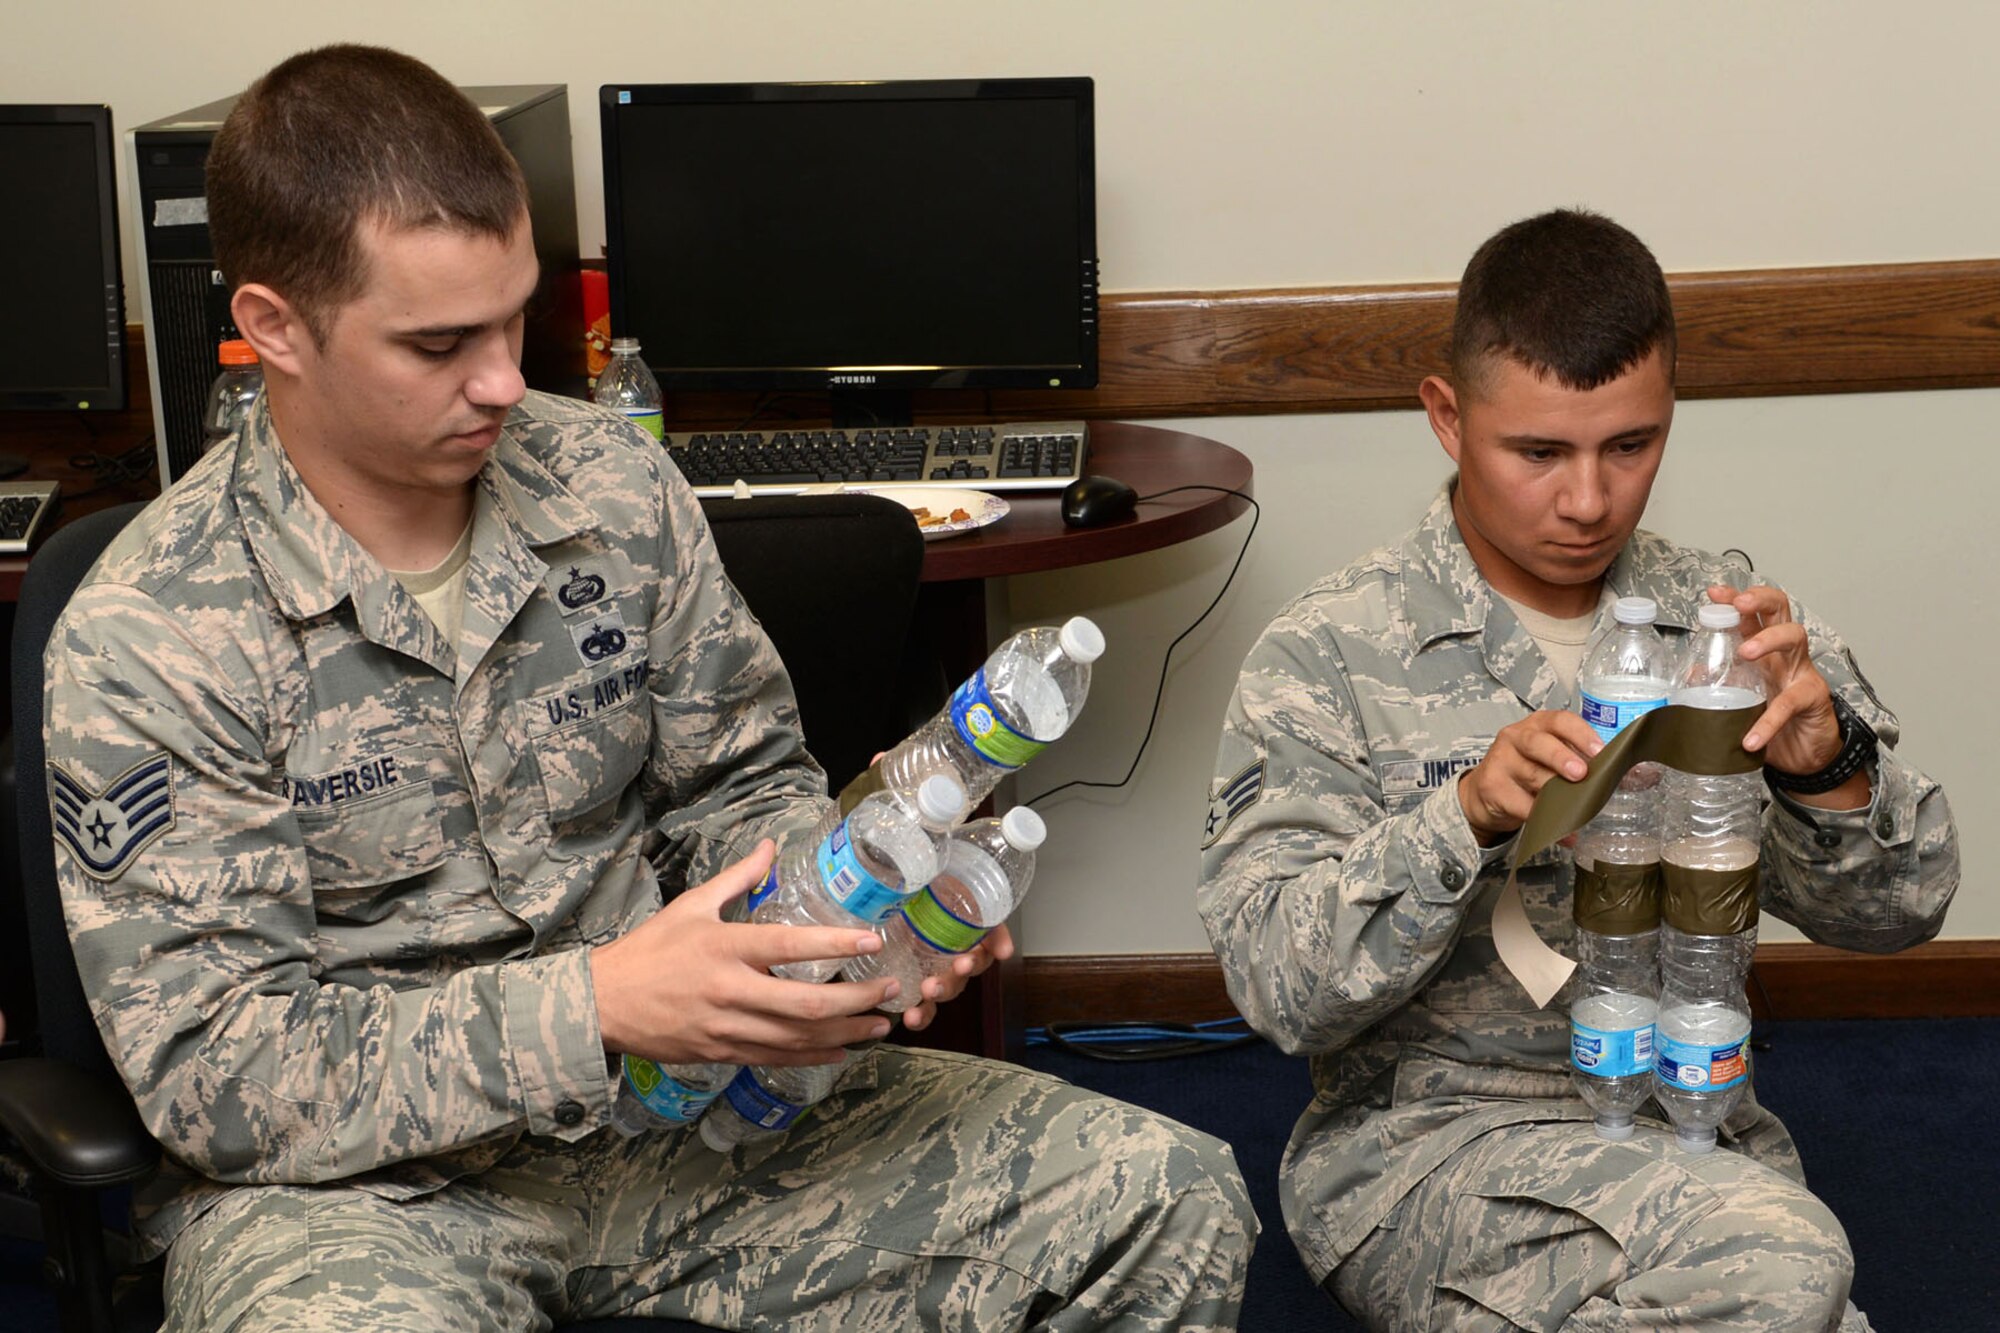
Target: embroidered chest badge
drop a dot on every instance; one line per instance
(578, 585)
(600, 637)
(105, 831)
(1237, 795)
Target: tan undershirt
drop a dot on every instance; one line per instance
(440, 591)
(1562, 641)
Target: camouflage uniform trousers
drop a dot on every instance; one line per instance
(957, 1194)
(1547, 1226)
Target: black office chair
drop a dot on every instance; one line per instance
(67, 1109)
(834, 581)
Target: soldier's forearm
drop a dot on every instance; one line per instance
(330, 1081)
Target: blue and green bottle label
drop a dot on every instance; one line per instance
(665, 1096)
(653, 419)
(979, 724)
(939, 927)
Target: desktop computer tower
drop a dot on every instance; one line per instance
(185, 304)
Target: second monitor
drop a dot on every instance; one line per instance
(855, 237)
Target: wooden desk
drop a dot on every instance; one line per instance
(1031, 539)
(82, 492)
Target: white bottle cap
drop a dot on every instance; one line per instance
(1023, 829)
(940, 799)
(1081, 640)
(619, 345)
(1695, 1139)
(712, 1134)
(1719, 615)
(1635, 610)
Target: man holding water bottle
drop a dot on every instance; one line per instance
(377, 740)
(1388, 736)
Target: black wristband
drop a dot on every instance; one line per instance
(1857, 751)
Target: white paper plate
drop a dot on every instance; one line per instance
(934, 506)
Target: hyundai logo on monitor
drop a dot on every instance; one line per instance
(850, 379)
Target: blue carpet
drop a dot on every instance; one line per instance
(1895, 1120)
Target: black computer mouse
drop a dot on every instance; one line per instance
(1089, 501)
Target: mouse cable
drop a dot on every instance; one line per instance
(1256, 515)
(110, 471)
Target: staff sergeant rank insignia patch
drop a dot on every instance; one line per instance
(106, 830)
(1237, 795)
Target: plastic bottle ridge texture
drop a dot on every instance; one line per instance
(862, 869)
(987, 868)
(1710, 835)
(1625, 674)
(1027, 695)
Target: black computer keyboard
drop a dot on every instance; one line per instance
(1035, 455)
(24, 506)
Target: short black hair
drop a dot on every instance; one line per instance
(337, 136)
(1569, 294)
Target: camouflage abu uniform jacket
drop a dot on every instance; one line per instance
(330, 882)
(1351, 906)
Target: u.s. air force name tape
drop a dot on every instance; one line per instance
(1707, 741)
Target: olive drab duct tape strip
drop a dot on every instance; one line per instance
(1707, 741)
(1612, 898)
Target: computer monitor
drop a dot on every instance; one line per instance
(62, 340)
(855, 238)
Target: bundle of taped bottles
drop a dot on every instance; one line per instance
(896, 855)
(1666, 892)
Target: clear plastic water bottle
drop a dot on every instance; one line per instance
(765, 1101)
(862, 870)
(1709, 849)
(988, 865)
(1027, 694)
(668, 1096)
(233, 393)
(1625, 674)
(627, 384)
(1702, 1035)
(1611, 1025)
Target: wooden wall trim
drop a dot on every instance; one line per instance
(1746, 333)
(1942, 979)
(1847, 329)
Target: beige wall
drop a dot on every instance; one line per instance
(1307, 142)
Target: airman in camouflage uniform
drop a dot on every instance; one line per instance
(1445, 1174)
(342, 893)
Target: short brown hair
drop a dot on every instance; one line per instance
(1569, 294)
(336, 136)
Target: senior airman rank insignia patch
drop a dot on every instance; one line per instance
(105, 831)
(1237, 795)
